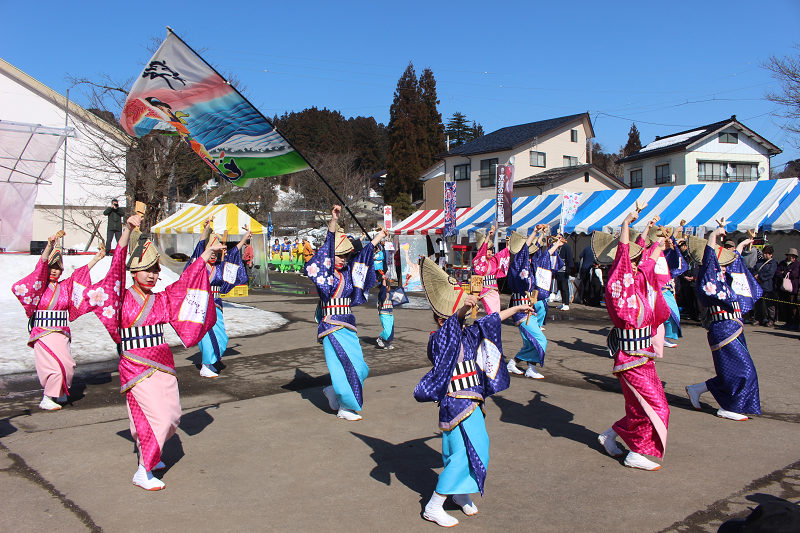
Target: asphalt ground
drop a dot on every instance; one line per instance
(258, 449)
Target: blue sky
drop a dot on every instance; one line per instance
(667, 66)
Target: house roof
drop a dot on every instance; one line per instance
(556, 174)
(60, 101)
(686, 139)
(508, 138)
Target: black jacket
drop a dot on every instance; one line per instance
(114, 215)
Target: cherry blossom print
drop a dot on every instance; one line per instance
(627, 279)
(37, 285)
(20, 290)
(524, 273)
(116, 287)
(321, 280)
(327, 262)
(97, 296)
(27, 300)
(36, 300)
(621, 303)
(710, 288)
(330, 280)
(108, 311)
(312, 269)
(632, 302)
(616, 289)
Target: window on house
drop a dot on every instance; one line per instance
(460, 172)
(662, 174)
(636, 178)
(570, 161)
(537, 159)
(721, 171)
(573, 135)
(729, 138)
(488, 172)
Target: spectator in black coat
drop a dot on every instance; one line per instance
(764, 272)
(788, 269)
(585, 262)
(691, 307)
(115, 215)
(562, 276)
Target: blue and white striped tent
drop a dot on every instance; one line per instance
(787, 216)
(743, 204)
(528, 211)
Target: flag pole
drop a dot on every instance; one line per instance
(336, 194)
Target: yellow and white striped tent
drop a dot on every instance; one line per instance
(227, 217)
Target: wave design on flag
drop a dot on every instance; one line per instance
(181, 92)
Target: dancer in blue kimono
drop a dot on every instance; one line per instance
(677, 265)
(523, 283)
(468, 367)
(386, 315)
(726, 287)
(224, 273)
(342, 284)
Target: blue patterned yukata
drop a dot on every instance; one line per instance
(386, 313)
(338, 291)
(468, 367)
(677, 265)
(522, 281)
(224, 275)
(727, 296)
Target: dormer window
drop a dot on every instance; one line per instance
(729, 138)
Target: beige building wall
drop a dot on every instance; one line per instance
(555, 145)
(575, 183)
(47, 221)
(676, 163)
(433, 193)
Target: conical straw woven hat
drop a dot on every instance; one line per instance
(144, 255)
(516, 241)
(55, 258)
(343, 244)
(444, 293)
(697, 247)
(604, 247)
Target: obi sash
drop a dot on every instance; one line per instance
(335, 306)
(490, 281)
(48, 319)
(140, 337)
(719, 314)
(628, 340)
(464, 376)
(387, 308)
(519, 299)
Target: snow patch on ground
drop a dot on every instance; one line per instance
(90, 341)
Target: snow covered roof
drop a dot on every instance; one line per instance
(669, 141)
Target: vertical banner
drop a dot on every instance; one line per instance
(387, 217)
(449, 208)
(505, 189)
(569, 206)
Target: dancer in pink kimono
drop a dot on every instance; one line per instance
(135, 319)
(492, 266)
(50, 305)
(661, 277)
(636, 307)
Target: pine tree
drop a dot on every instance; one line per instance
(458, 130)
(477, 131)
(430, 120)
(634, 144)
(403, 160)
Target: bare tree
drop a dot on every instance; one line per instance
(83, 217)
(786, 70)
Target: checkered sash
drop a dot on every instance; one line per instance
(519, 299)
(336, 306)
(464, 376)
(141, 337)
(629, 340)
(490, 281)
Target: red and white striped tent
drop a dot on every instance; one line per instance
(428, 222)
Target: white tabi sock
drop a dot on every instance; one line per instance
(435, 513)
(465, 502)
(143, 478)
(48, 404)
(694, 392)
(609, 441)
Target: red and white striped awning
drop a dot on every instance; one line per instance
(427, 222)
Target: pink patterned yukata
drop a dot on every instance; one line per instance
(49, 306)
(147, 373)
(491, 269)
(633, 303)
(661, 277)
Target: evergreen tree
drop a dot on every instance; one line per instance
(458, 130)
(477, 131)
(430, 121)
(634, 144)
(403, 160)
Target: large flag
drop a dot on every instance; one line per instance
(179, 90)
(505, 190)
(449, 208)
(569, 206)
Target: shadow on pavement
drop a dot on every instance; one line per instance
(170, 455)
(412, 462)
(196, 421)
(579, 345)
(306, 385)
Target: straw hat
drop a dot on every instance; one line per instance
(55, 259)
(604, 247)
(516, 241)
(697, 247)
(444, 293)
(144, 254)
(343, 245)
(212, 240)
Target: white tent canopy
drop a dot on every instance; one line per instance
(28, 151)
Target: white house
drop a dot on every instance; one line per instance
(91, 180)
(545, 147)
(724, 151)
